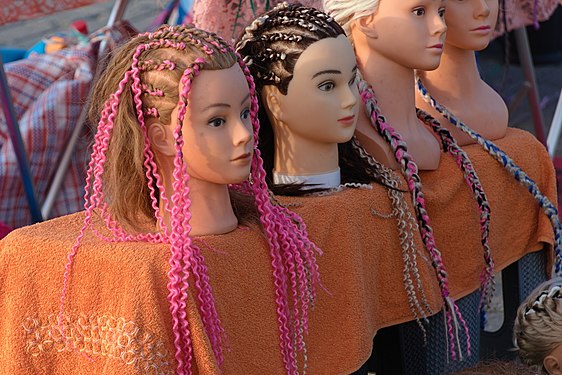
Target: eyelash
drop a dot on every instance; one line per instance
(219, 121)
(417, 10)
(213, 122)
(323, 85)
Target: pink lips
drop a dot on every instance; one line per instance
(243, 157)
(438, 46)
(482, 28)
(347, 120)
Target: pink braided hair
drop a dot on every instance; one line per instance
(293, 254)
(410, 170)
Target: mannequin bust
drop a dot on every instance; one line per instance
(174, 153)
(456, 83)
(387, 60)
(305, 72)
(538, 328)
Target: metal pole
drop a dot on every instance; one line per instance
(19, 148)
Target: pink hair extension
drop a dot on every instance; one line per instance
(275, 220)
(410, 170)
(473, 182)
(149, 90)
(152, 111)
(292, 253)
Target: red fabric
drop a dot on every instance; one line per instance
(4, 230)
(19, 10)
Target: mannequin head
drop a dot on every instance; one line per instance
(165, 79)
(409, 32)
(174, 107)
(471, 23)
(538, 328)
(301, 60)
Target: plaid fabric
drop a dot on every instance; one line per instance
(48, 93)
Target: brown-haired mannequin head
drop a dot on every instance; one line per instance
(305, 73)
(538, 328)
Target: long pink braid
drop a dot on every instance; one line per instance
(450, 145)
(292, 253)
(410, 170)
(179, 246)
(293, 257)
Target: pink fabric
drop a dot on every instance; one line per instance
(220, 16)
(521, 13)
(19, 10)
(48, 92)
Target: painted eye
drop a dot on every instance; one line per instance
(419, 12)
(442, 12)
(245, 114)
(216, 122)
(327, 86)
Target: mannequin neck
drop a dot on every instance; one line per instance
(320, 181)
(296, 155)
(394, 90)
(210, 208)
(446, 77)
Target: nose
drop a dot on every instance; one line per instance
(242, 132)
(350, 96)
(483, 9)
(439, 25)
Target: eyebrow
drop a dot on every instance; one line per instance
(332, 72)
(214, 105)
(326, 72)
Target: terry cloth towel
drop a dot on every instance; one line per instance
(117, 311)
(362, 265)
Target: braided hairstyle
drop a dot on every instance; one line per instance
(124, 186)
(410, 171)
(538, 324)
(548, 207)
(487, 281)
(271, 46)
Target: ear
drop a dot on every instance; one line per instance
(366, 26)
(161, 139)
(552, 366)
(273, 100)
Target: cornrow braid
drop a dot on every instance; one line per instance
(410, 170)
(407, 226)
(548, 207)
(537, 328)
(295, 272)
(487, 281)
(273, 42)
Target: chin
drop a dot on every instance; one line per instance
(429, 66)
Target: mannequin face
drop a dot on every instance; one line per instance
(408, 32)
(471, 23)
(321, 101)
(217, 128)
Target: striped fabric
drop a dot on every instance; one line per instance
(48, 93)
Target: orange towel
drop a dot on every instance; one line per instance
(117, 310)
(366, 280)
